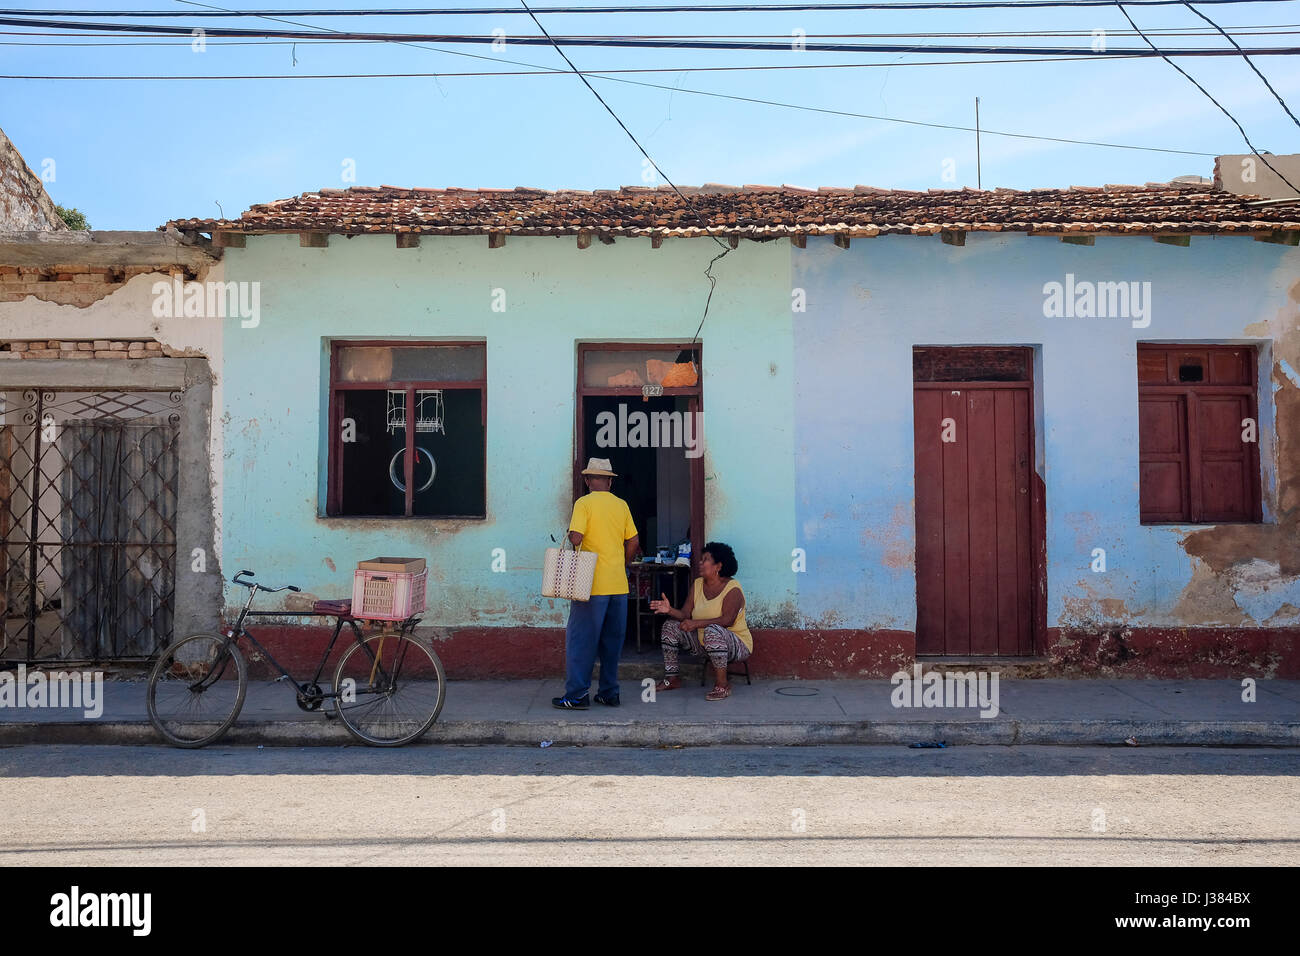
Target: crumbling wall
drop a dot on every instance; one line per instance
(24, 204)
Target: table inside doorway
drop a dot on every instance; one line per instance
(653, 574)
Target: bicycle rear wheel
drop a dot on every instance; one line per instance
(390, 689)
(196, 689)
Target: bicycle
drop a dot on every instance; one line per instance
(388, 686)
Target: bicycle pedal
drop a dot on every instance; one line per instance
(282, 677)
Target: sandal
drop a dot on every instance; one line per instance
(719, 692)
(668, 683)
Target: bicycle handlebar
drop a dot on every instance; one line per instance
(260, 587)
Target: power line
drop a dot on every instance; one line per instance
(607, 75)
(1194, 32)
(620, 42)
(1271, 30)
(891, 119)
(1277, 29)
(642, 83)
(887, 64)
(646, 8)
(1249, 63)
(1224, 110)
(708, 271)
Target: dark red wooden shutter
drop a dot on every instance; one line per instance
(1195, 463)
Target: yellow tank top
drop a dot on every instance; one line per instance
(704, 610)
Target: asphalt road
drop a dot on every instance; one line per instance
(748, 805)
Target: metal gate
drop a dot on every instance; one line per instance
(88, 484)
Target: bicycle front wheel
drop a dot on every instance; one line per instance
(390, 689)
(196, 689)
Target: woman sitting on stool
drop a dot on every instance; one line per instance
(711, 622)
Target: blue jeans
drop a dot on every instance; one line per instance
(595, 626)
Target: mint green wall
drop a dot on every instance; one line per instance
(275, 378)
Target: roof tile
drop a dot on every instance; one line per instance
(756, 211)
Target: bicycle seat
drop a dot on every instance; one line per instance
(340, 608)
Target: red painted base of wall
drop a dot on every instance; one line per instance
(1176, 652)
(495, 653)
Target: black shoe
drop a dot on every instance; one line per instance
(571, 703)
(610, 701)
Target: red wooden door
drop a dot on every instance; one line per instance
(974, 534)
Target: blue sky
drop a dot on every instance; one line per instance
(133, 154)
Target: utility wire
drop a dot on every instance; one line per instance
(1267, 30)
(547, 40)
(646, 8)
(1249, 63)
(606, 75)
(1224, 110)
(615, 79)
(708, 272)
(541, 72)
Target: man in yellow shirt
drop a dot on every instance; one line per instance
(601, 523)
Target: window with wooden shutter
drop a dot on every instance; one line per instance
(1197, 433)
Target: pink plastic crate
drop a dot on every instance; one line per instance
(387, 595)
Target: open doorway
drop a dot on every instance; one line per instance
(654, 481)
(640, 406)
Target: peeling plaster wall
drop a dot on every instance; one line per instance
(276, 383)
(127, 313)
(867, 307)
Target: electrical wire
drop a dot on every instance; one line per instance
(1249, 62)
(1267, 30)
(606, 75)
(646, 8)
(1222, 108)
(620, 42)
(708, 271)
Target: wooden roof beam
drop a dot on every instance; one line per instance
(1280, 236)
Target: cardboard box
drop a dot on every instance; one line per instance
(393, 565)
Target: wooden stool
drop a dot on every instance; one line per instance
(708, 667)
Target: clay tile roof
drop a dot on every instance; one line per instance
(758, 211)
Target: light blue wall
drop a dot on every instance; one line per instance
(276, 376)
(808, 414)
(869, 305)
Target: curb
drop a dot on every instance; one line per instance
(1007, 733)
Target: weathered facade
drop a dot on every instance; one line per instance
(1047, 496)
(108, 530)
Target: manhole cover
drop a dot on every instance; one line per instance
(798, 691)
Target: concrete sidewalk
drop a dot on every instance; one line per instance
(774, 712)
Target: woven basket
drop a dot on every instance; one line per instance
(568, 574)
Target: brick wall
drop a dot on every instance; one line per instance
(88, 349)
(78, 285)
